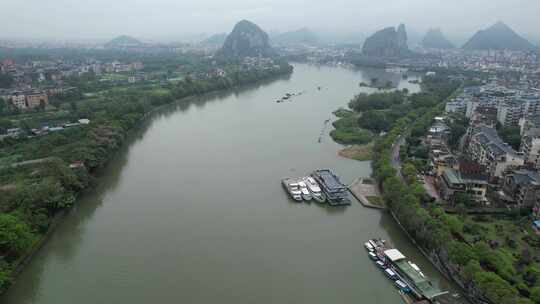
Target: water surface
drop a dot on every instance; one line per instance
(191, 210)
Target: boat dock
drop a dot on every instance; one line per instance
(412, 283)
(322, 186)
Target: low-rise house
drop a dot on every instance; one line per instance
(510, 112)
(530, 147)
(437, 134)
(18, 99)
(523, 186)
(440, 160)
(489, 150)
(484, 115)
(36, 98)
(453, 181)
(455, 106)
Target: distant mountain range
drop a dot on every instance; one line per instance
(435, 39)
(122, 41)
(246, 40)
(303, 35)
(498, 37)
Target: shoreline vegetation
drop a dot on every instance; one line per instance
(485, 274)
(34, 197)
(461, 246)
(346, 129)
(376, 84)
(368, 115)
(358, 152)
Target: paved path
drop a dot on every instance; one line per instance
(362, 191)
(396, 161)
(29, 162)
(429, 183)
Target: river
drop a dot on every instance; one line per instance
(191, 210)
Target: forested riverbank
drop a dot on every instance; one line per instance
(33, 195)
(484, 273)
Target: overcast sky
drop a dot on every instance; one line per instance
(170, 19)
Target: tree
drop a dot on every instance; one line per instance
(511, 135)
(15, 235)
(5, 124)
(535, 294)
(461, 209)
(461, 198)
(409, 172)
(495, 288)
(461, 253)
(5, 80)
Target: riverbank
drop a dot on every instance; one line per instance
(422, 118)
(366, 191)
(109, 134)
(389, 85)
(358, 152)
(439, 235)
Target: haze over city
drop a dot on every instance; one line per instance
(271, 151)
(170, 20)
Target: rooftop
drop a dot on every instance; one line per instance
(526, 177)
(331, 181)
(394, 255)
(488, 136)
(456, 177)
(420, 281)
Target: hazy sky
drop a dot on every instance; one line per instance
(169, 19)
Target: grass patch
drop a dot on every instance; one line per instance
(347, 131)
(358, 152)
(376, 200)
(341, 112)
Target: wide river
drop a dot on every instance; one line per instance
(191, 210)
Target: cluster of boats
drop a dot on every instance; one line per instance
(371, 246)
(321, 185)
(406, 275)
(304, 189)
(288, 96)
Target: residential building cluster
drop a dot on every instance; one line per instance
(483, 60)
(34, 82)
(485, 168)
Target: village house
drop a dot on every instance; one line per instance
(18, 99)
(36, 98)
(523, 187)
(488, 149)
(530, 147)
(453, 181)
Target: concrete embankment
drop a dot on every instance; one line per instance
(364, 190)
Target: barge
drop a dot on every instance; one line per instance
(336, 192)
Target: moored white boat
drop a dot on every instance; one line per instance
(292, 188)
(305, 192)
(315, 190)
